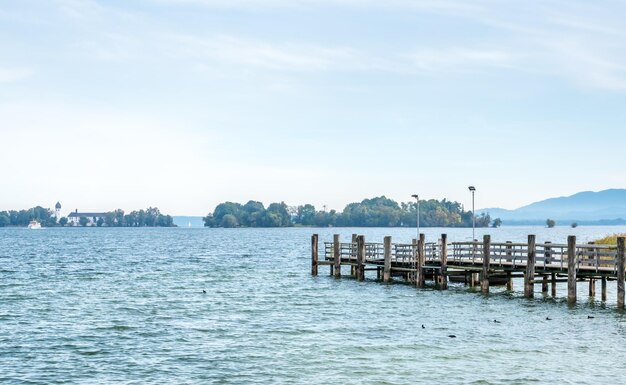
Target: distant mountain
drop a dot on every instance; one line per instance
(584, 206)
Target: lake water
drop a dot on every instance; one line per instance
(127, 306)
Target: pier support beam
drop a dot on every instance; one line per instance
(360, 258)
(314, 254)
(421, 251)
(387, 266)
(620, 273)
(544, 285)
(509, 258)
(353, 255)
(529, 276)
(571, 270)
(592, 287)
(603, 289)
(553, 284)
(443, 277)
(484, 284)
(337, 255)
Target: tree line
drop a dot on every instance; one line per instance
(374, 212)
(150, 217)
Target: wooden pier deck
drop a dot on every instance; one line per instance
(479, 263)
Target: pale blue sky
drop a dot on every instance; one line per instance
(183, 104)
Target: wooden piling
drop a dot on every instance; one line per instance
(592, 282)
(387, 266)
(443, 277)
(353, 255)
(553, 284)
(484, 284)
(337, 255)
(415, 249)
(421, 251)
(603, 289)
(544, 285)
(571, 270)
(360, 258)
(620, 273)
(529, 275)
(314, 254)
(509, 258)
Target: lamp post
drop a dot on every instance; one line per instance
(417, 200)
(473, 190)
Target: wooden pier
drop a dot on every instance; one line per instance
(479, 262)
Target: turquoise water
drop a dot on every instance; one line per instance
(127, 306)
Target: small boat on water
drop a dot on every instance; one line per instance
(34, 225)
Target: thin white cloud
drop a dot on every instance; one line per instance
(229, 50)
(460, 59)
(8, 75)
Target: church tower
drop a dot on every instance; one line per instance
(57, 211)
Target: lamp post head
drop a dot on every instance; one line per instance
(472, 188)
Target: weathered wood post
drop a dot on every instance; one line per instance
(337, 255)
(387, 265)
(603, 289)
(529, 276)
(484, 284)
(547, 259)
(620, 273)
(353, 255)
(360, 258)
(544, 285)
(592, 281)
(421, 257)
(553, 284)
(509, 258)
(571, 270)
(314, 254)
(443, 277)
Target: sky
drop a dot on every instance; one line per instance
(183, 104)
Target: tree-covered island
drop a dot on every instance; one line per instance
(375, 212)
(150, 217)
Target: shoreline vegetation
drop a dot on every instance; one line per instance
(150, 217)
(375, 212)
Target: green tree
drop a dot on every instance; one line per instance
(5, 219)
(63, 221)
(83, 221)
(229, 221)
(550, 223)
(497, 222)
(100, 222)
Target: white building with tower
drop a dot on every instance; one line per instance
(57, 211)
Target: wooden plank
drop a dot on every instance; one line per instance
(484, 285)
(571, 270)
(529, 287)
(314, 254)
(387, 266)
(337, 255)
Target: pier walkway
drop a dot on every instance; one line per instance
(477, 262)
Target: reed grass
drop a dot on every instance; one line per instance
(609, 239)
